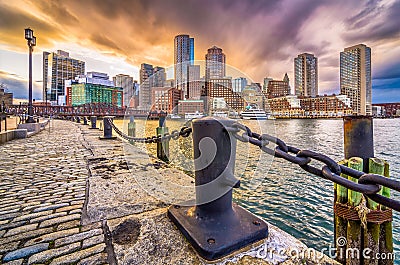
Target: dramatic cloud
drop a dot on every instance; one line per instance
(19, 86)
(259, 37)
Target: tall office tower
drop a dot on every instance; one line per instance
(126, 82)
(159, 77)
(215, 63)
(58, 67)
(146, 71)
(183, 58)
(195, 82)
(355, 78)
(238, 84)
(306, 75)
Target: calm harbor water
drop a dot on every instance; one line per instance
(282, 193)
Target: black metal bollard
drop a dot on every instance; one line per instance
(93, 121)
(85, 121)
(216, 227)
(163, 147)
(107, 129)
(78, 119)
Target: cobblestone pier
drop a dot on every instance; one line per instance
(67, 197)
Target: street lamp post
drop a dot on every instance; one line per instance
(31, 43)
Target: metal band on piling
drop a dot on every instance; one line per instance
(216, 227)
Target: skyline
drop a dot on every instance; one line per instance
(118, 37)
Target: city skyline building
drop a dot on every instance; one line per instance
(94, 87)
(306, 75)
(58, 67)
(355, 78)
(183, 58)
(194, 82)
(238, 84)
(215, 63)
(126, 82)
(146, 71)
(277, 88)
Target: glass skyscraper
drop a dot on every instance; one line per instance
(306, 75)
(183, 58)
(58, 67)
(355, 78)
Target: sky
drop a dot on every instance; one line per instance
(260, 38)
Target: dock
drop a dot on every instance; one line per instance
(69, 197)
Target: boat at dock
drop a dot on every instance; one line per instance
(194, 115)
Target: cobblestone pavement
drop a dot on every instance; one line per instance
(42, 199)
(67, 197)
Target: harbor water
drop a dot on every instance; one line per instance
(282, 193)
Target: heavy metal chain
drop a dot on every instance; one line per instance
(368, 184)
(184, 132)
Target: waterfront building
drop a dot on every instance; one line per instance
(306, 75)
(222, 88)
(253, 96)
(195, 82)
(126, 82)
(165, 99)
(277, 88)
(6, 98)
(215, 63)
(58, 67)
(190, 106)
(183, 58)
(389, 109)
(265, 83)
(355, 78)
(327, 106)
(238, 84)
(146, 71)
(94, 87)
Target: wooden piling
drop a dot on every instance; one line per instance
(354, 239)
(340, 222)
(371, 234)
(162, 147)
(386, 231)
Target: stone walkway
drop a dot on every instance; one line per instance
(42, 196)
(67, 197)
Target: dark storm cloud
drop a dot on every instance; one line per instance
(389, 71)
(13, 22)
(374, 23)
(103, 40)
(19, 86)
(58, 10)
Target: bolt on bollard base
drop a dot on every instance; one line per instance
(107, 129)
(215, 227)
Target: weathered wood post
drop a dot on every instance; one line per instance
(131, 128)
(386, 230)
(162, 147)
(365, 242)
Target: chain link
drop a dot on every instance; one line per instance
(184, 132)
(368, 184)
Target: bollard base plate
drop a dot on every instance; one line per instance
(108, 138)
(216, 236)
